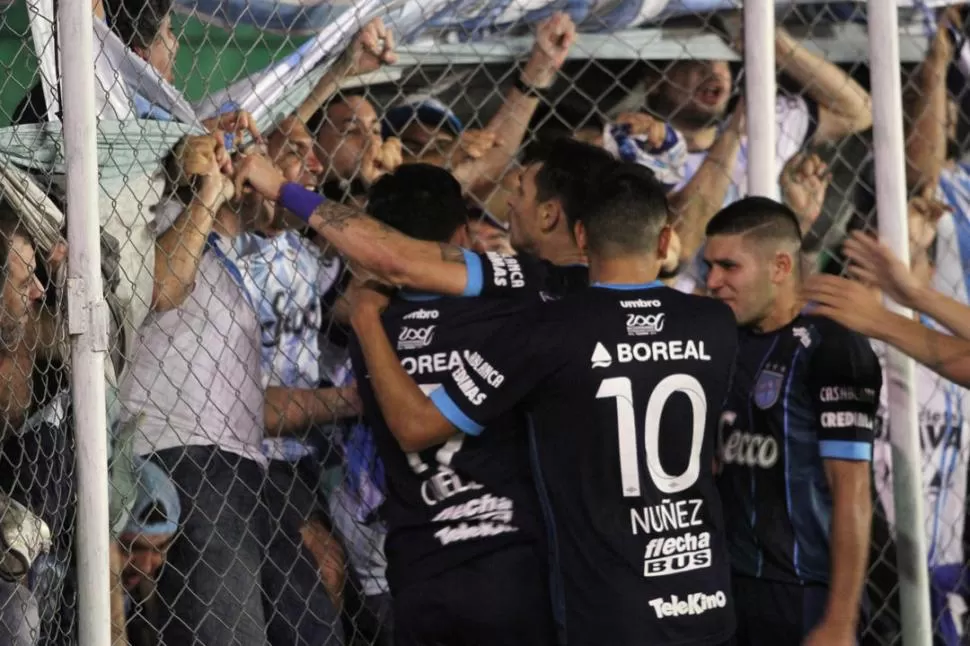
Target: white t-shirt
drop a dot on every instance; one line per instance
(796, 118)
(195, 375)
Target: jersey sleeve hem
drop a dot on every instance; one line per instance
(845, 450)
(475, 281)
(449, 409)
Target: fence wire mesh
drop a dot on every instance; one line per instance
(244, 499)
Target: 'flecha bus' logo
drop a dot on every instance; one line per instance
(644, 324)
(412, 338)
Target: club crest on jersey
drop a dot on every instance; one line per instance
(767, 389)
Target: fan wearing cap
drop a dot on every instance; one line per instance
(427, 128)
(151, 527)
(139, 550)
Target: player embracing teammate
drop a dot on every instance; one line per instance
(614, 395)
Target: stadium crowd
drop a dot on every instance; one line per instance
(404, 382)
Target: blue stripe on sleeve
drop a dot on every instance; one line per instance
(843, 450)
(473, 264)
(447, 407)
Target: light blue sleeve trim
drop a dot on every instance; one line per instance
(473, 264)
(843, 450)
(447, 407)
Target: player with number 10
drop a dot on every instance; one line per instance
(621, 385)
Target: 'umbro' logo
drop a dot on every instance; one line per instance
(601, 357)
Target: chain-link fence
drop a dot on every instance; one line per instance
(245, 492)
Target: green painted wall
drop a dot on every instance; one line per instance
(209, 58)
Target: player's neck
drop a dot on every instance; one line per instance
(631, 270)
(784, 311)
(561, 252)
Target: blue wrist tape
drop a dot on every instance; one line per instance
(300, 201)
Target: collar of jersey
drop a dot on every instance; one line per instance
(629, 287)
(417, 297)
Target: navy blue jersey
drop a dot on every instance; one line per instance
(622, 389)
(495, 274)
(802, 394)
(472, 495)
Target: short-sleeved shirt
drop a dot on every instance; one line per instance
(797, 119)
(496, 274)
(286, 277)
(472, 495)
(805, 393)
(195, 374)
(621, 388)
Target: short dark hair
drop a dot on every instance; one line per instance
(419, 200)
(759, 217)
(567, 172)
(625, 210)
(137, 22)
(565, 117)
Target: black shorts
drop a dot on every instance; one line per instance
(776, 614)
(501, 599)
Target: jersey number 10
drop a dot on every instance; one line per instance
(621, 388)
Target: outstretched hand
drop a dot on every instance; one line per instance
(845, 301)
(875, 264)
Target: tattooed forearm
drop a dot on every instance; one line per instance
(452, 253)
(337, 216)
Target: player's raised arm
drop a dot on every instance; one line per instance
(490, 381)
(394, 257)
(845, 380)
(411, 417)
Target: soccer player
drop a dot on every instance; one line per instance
(795, 439)
(548, 200)
(463, 517)
(621, 383)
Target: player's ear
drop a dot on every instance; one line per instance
(462, 237)
(579, 232)
(663, 242)
(550, 213)
(782, 267)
